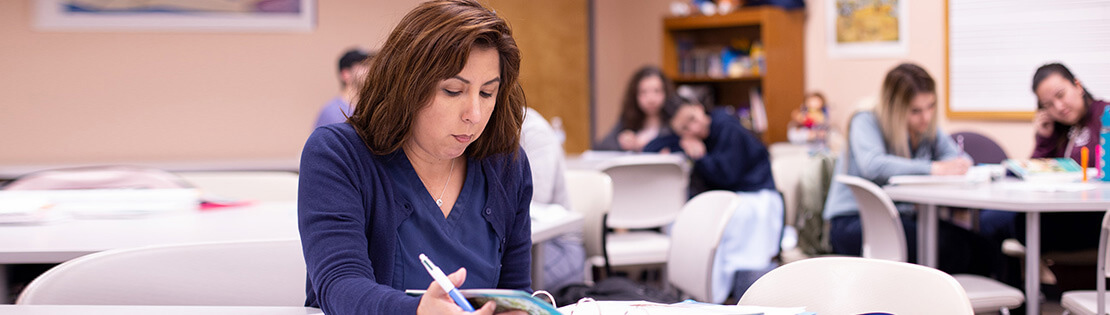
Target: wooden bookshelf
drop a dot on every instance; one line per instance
(781, 34)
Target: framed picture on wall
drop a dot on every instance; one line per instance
(176, 15)
(867, 28)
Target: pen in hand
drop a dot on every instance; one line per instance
(960, 143)
(445, 283)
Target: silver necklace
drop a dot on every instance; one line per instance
(439, 201)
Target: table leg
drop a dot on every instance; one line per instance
(4, 285)
(1032, 263)
(927, 236)
(537, 266)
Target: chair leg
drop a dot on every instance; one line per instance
(604, 247)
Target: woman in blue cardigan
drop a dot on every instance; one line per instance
(900, 137)
(428, 163)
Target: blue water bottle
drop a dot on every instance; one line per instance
(1102, 159)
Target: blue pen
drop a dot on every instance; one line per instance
(445, 283)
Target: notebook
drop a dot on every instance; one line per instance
(1046, 169)
(506, 300)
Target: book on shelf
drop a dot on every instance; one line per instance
(1045, 169)
(506, 300)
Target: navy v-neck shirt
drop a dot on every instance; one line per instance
(351, 205)
(462, 239)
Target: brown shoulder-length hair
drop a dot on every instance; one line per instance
(632, 117)
(429, 45)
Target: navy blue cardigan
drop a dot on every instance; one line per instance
(348, 218)
(734, 160)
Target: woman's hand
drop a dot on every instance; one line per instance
(694, 148)
(436, 301)
(1043, 124)
(627, 140)
(956, 166)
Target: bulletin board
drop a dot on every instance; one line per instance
(993, 48)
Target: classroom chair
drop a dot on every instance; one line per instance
(1088, 302)
(981, 148)
(884, 238)
(245, 185)
(256, 273)
(853, 285)
(698, 230)
(648, 192)
(591, 194)
(787, 171)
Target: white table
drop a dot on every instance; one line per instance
(57, 242)
(600, 160)
(544, 230)
(998, 196)
(290, 164)
(148, 309)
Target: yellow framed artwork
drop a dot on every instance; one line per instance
(867, 28)
(176, 15)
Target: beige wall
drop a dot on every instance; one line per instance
(628, 34)
(93, 97)
(845, 82)
(109, 97)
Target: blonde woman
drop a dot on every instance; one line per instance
(900, 137)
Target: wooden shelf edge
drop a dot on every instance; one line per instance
(700, 79)
(741, 17)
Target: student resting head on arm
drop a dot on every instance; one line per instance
(428, 163)
(726, 156)
(647, 99)
(900, 137)
(1068, 117)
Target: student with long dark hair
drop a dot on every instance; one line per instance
(643, 115)
(1068, 118)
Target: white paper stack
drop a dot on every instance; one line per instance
(97, 203)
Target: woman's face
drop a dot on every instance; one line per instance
(691, 121)
(923, 108)
(460, 108)
(1062, 99)
(650, 95)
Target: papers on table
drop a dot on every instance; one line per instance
(1046, 187)
(689, 307)
(974, 175)
(31, 206)
(931, 179)
(547, 212)
(25, 210)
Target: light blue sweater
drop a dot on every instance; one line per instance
(867, 157)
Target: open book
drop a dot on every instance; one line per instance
(506, 300)
(1046, 170)
(591, 307)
